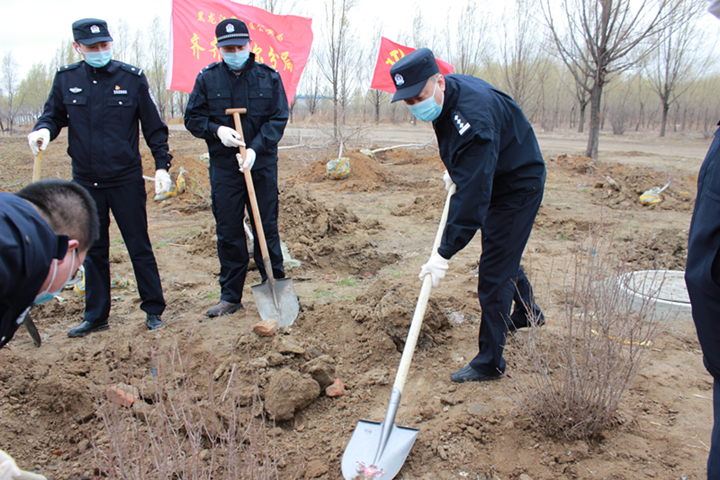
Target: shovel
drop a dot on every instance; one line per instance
(378, 450)
(275, 298)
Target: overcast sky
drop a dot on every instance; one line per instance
(34, 30)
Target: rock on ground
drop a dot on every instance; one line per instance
(289, 391)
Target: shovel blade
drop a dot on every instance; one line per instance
(357, 461)
(287, 307)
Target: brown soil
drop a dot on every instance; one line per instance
(361, 242)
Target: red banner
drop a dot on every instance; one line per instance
(280, 41)
(390, 52)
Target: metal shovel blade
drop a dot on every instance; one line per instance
(286, 310)
(357, 461)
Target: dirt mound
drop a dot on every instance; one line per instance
(407, 156)
(392, 307)
(366, 175)
(427, 207)
(662, 249)
(619, 186)
(327, 238)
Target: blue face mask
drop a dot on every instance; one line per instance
(46, 296)
(98, 59)
(236, 60)
(427, 110)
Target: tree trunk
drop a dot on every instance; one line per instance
(581, 120)
(594, 133)
(663, 122)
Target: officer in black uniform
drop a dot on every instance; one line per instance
(45, 232)
(491, 154)
(239, 82)
(101, 100)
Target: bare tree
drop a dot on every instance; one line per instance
(122, 41)
(65, 55)
(596, 38)
(336, 62)
(672, 63)
(13, 99)
(521, 57)
(470, 40)
(156, 70)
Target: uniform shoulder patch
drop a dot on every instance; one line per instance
(72, 66)
(459, 121)
(131, 68)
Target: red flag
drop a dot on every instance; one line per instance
(390, 52)
(280, 41)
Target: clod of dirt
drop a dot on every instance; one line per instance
(322, 370)
(429, 207)
(315, 469)
(289, 391)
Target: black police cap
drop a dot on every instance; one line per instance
(232, 31)
(91, 30)
(411, 73)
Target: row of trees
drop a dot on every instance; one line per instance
(638, 64)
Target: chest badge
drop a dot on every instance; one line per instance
(76, 90)
(460, 123)
(119, 91)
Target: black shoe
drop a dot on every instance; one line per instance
(86, 327)
(518, 321)
(223, 308)
(469, 374)
(153, 321)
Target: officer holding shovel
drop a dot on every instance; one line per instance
(239, 82)
(491, 154)
(101, 101)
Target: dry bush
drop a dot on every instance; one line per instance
(178, 429)
(571, 382)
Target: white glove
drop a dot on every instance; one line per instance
(10, 471)
(714, 8)
(43, 136)
(249, 160)
(163, 183)
(448, 181)
(229, 137)
(436, 267)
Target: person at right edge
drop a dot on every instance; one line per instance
(491, 154)
(702, 276)
(239, 82)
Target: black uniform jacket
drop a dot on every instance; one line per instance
(102, 107)
(490, 151)
(27, 247)
(259, 89)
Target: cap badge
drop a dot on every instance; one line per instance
(75, 90)
(230, 28)
(399, 80)
(95, 29)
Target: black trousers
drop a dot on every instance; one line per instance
(702, 276)
(501, 279)
(229, 201)
(128, 205)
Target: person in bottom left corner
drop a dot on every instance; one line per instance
(46, 230)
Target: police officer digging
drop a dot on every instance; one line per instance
(101, 101)
(490, 152)
(46, 230)
(239, 82)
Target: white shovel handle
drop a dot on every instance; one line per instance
(414, 332)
